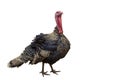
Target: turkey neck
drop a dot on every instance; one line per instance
(59, 24)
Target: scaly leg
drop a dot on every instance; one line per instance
(52, 70)
(43, 73)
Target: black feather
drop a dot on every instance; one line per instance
(41, 42)
(49, 45)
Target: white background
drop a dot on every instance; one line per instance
(92, 26)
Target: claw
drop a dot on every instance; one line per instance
(55, 72)
(44, 73)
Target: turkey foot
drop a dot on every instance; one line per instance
(53, 71)
(43, 73)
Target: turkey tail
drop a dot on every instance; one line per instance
(16, 62)
(24, 57)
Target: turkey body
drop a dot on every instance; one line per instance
(46, 48)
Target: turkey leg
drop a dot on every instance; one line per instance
(43, 73)
(52, 70)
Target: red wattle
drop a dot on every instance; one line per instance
(59, 21)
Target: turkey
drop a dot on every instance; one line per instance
(45, 48)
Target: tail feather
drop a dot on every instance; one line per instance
(23, 58)
(15, 62)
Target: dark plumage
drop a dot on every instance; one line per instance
(45, 48)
